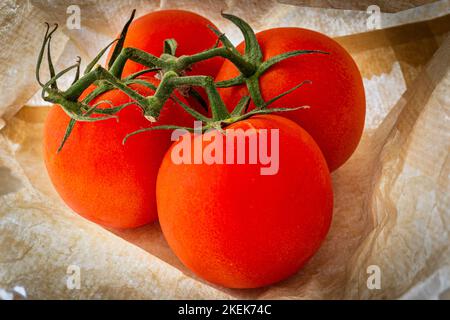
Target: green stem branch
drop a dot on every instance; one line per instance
(245, 67)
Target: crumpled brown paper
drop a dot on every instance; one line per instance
(392, 206)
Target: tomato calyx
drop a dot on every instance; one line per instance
(253, 55)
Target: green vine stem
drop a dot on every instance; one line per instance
(171, 69)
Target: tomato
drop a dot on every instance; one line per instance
(189, 29)
(235, 227)
(336, 97)
(96, 175)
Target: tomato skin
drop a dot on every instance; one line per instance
(237, 228)
(189, 29)
(336, 96)
(98, 177)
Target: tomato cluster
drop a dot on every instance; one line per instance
(227, 222)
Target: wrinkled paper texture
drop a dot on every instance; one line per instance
(392, 206)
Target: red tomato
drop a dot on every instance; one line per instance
(235, 227)
(189, 29)
(336, 98)
(98, 177)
